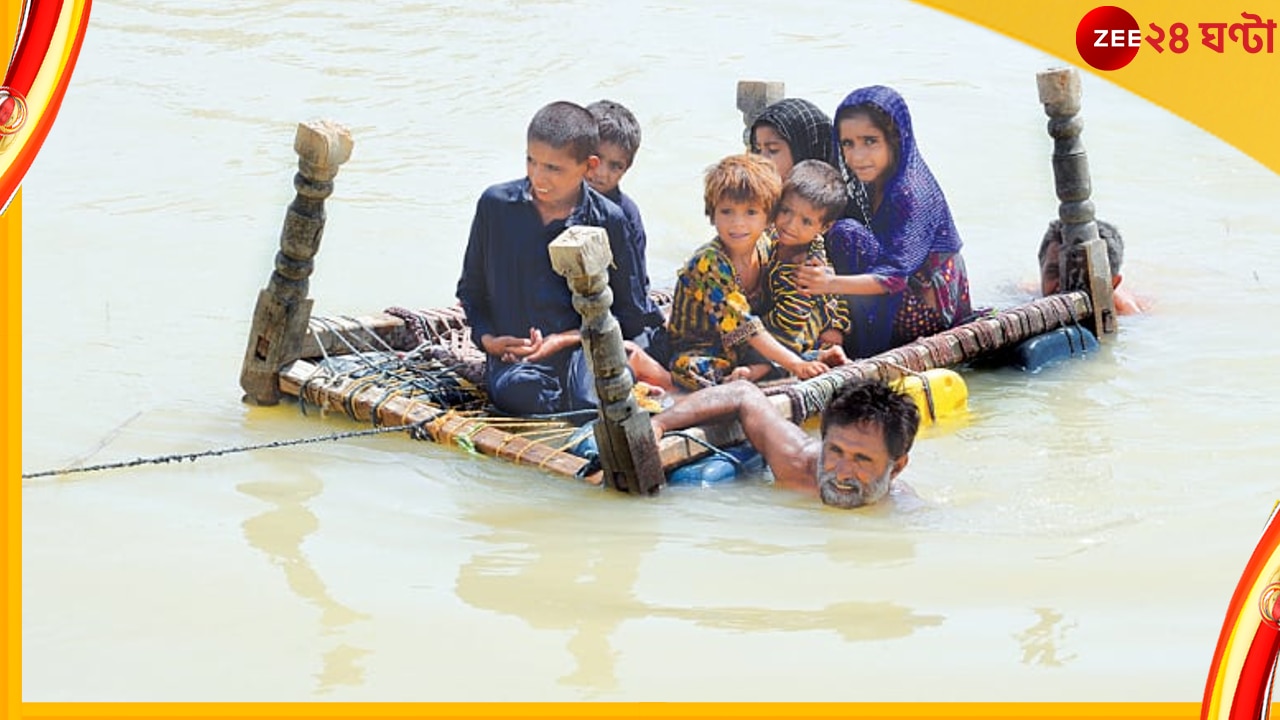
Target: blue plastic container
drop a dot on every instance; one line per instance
(711, 470)
(1034, 354)
(717, 469)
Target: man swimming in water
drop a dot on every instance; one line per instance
(1051, 276)
(866, 434)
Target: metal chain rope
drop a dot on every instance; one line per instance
(414, 429)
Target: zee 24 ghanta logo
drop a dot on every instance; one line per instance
(1108, 37)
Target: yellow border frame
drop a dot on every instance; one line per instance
(1184, 85)
(11, 374)
(896, 711)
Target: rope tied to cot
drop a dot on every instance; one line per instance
(217, 452)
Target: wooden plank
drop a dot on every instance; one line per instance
(309, 382)
(674, 450)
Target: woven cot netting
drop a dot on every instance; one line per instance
(443, 334)
(411, 376)
(986, 334)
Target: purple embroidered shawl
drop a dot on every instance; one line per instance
(912, 222)
(913, 219)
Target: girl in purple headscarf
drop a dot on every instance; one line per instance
(896, 259)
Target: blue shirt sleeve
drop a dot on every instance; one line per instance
(629, 280)
(473, 291)
(632, 211)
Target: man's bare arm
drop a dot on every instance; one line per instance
(790, 453)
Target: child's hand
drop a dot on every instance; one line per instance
(511, 349)
(550, 345)
(833, 356)
(814, 279)
(507, 348)
(751, 373)
(805, 369)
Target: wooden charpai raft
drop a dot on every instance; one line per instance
(448, 344)
(420, 368)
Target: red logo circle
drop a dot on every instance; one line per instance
(1108, 37)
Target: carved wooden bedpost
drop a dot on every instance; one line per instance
(628, 451)
(1083, 257)
(755, 95)
(283, 310)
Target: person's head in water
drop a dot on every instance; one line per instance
(1051, 252)
(867, 433)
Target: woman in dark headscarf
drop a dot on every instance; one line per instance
(791, 131)
(897, 258)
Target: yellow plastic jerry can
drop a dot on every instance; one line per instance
(938, 393)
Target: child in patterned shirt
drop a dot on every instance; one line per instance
(812, 200)
(716, 332)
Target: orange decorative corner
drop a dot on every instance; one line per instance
(49, 36)
(1239, 684)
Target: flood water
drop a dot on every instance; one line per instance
(1079, 539)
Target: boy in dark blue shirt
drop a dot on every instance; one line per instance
(619, 142)
(521, 312)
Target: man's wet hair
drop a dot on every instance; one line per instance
(1109, 233)
(618, 126)
(872, 402)
(566, 126)
(820, 185)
